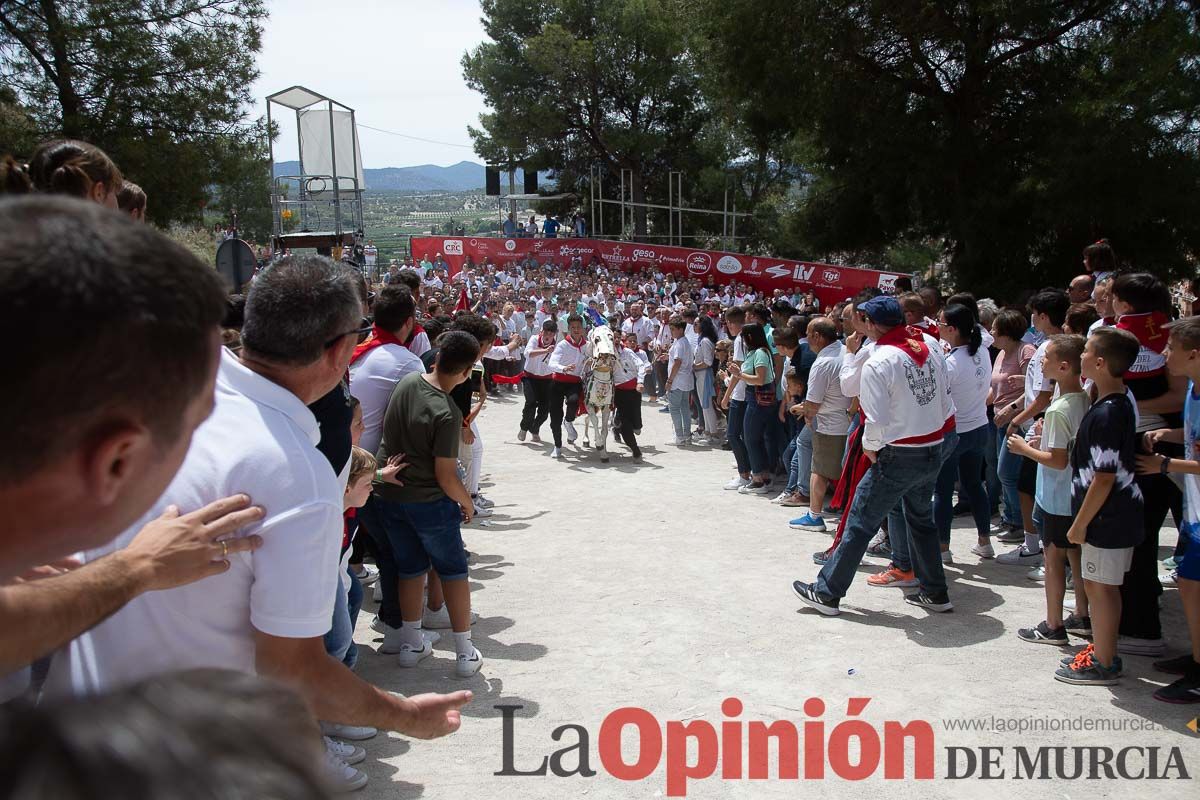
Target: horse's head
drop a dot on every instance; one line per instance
(601, 342)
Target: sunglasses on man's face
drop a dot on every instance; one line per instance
(363, 331)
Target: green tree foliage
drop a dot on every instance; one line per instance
(572, 83)
(1014, 132)
(161, 85)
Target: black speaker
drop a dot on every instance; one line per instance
(530, 181)
(493, 181)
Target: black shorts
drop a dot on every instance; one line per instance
(1027, 481)
(1054, 530)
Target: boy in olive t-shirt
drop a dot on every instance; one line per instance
(422, 518)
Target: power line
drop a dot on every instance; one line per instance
(415, 138)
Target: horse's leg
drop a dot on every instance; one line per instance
(604, 435)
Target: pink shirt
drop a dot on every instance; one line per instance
(1006, 365)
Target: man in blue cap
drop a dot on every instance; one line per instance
(905, 397)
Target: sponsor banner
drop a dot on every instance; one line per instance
(828, 282)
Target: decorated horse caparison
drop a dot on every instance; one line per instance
(601, 352)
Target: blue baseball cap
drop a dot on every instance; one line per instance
(883, 310)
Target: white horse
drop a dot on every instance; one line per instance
(601, 352)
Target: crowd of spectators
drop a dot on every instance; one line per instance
(201, 524)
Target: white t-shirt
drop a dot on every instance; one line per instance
(825, 387)
(372, 379)
(970, 381)
(682, 352)
(260, 440)
(1033, 378)
(739, 355)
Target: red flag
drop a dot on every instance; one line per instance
(463, 303)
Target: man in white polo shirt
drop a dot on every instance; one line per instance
(269, 611)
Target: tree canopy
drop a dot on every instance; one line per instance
(161, 85)
(1004, 135)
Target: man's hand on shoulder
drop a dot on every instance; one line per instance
(174, 550)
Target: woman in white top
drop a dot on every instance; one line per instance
(706, 344)
(969, 369)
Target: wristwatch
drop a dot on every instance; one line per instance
(1165, 465)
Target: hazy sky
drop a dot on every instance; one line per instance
(395, 62)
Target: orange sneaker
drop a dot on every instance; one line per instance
(894, 577)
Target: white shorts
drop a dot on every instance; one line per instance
(1106, 565)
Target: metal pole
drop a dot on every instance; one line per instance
(600, 200)
(358, 220)
(337, 200)
(725, 220)
(276, 222)
(733, 221)
(592, 197)
(621, 232)
(670, 208)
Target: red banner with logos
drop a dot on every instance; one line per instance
(830, 283)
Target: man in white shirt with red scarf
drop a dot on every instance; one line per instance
(904, 394)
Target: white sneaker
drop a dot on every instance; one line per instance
(1069, 603)
(750, 488)
(465, 666)
(393, 641)
(377, 593)
(348, 753)
(521, 436)
(410, 656)
(483, 502)
(441, 618)
(569, 427)
(736, 483)
(369, 574)
(1019, 556)
(340, 776)
(984, 551)
(481, 511)
(556, 453)
(779, 498)
(1037, 573)
(355, 733)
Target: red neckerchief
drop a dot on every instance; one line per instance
(378, 338)
(908, 340)
(1148, 328)
(413, 334)
(928, 327)
(582, 341)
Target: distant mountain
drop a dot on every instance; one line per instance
(460, 177)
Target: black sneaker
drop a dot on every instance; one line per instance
(934, 602)
(1184, 691)
(1042, 633)
(1078, 626)
(1087, 671)
(1180, 665)
(809, 595)
(1090, 650)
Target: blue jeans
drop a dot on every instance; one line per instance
(966, 465)
(1008, 469)
(737, 441)
(677, 402)
(424, 535)
(389, 580)
(758, 433)
(899, 536)
(800, 463)
(899, 474)
(339, 642)
(991, 459)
